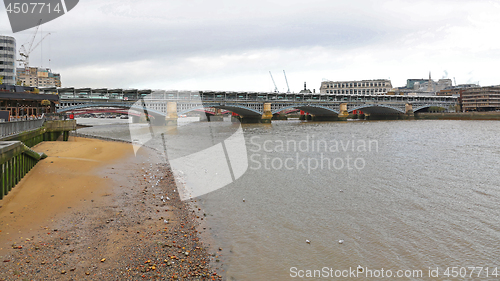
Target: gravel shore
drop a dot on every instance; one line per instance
(131, 225)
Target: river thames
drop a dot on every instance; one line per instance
(355, 199)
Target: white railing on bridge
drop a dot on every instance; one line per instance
(17, 126)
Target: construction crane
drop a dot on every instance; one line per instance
(25, 53)
(275, 88)
(288, 87)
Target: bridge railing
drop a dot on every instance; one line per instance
(16, 127)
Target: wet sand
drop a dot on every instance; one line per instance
(93, 211)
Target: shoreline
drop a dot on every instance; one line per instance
(486, 115)
(118, 230)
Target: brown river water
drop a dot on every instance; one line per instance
(402, 200)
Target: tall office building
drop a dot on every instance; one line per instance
(8, 59)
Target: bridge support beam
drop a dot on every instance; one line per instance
(171, 119)
(343, 111)
(268, 114)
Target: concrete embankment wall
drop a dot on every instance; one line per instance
(459, 116)
(50, 131)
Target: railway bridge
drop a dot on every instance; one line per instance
(249, 106)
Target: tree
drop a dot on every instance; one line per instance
(45, 104)
(1, 80)
(36, 91)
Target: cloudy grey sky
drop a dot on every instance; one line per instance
(232, 45)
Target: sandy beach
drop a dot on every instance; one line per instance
(94, 211)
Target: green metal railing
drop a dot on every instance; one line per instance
(16, 157)
(16, 160)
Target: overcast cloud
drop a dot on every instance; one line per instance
(232, 45)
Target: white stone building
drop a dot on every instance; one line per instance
(362, 87)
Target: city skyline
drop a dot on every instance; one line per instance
(233, 46)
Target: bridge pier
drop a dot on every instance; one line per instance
(409, 111)
(171, 118)
(203, 117)
(235, 117)
(266, 117)
(343, 111)
(268, 114)
(303, 115)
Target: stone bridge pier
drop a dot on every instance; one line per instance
(268, 114)
(265, 117)
(171, 118)
(343, 111)
(409, 110)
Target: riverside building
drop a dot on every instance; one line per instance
(38, 77)
(481, 99)
(363, 87)
(8, 60)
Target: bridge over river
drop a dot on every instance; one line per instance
(250, 106)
